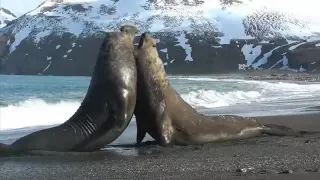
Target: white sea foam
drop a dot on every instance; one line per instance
(37, 112)
(211, 98)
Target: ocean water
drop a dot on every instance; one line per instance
(30, 103)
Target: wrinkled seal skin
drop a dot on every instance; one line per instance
(165, 116)
(106, 109)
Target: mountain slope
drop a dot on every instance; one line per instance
(5, 17)
(62, 37)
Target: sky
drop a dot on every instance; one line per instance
(19, 7)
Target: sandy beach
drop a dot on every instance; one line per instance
(256, 158)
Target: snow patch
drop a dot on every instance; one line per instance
(69, 51)
(295, 46)
(165, 50)
(74, 44)
(65, 56)
(49, 58)
(313, 38)
(46, 68)
(265, 57)
(58, 46)
(291, 41)
(281, 60)
(284, 62)
(250, 54)
(313, 62)
(41, 35)
(21, 35)
(302, 69)
(317, 45)
(183, 43)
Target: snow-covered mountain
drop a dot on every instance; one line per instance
(5, 17)
(62, 37)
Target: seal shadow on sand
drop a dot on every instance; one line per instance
(151, 148)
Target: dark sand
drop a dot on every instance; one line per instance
(262, 158)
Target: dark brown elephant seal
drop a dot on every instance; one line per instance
(166, 117)
(106, 109)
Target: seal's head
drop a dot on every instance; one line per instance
(146, 41)
(148, 45)
(147, 53)
(129, 30)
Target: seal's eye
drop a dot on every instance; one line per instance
(154, 45)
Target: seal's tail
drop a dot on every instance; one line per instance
(278, 130)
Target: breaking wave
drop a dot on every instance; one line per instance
(39, 112)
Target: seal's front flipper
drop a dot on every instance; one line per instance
(166, 130)
(278, 130)
(141, 133)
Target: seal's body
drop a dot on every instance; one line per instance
(164, 115)
(106, 109)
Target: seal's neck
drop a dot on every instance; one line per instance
(158, 71)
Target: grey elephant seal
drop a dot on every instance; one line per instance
(106, 109)
(166, 117)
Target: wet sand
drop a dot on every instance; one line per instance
(256, 158)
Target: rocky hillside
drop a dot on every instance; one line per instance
(5, 17)
(62, 37)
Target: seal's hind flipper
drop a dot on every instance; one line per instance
(279, 130)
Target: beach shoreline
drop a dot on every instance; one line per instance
(266, 157)
(266, 74)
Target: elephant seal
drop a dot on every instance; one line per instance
(106, 109)
(165, 116)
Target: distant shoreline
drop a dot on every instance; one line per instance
(246, 75)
